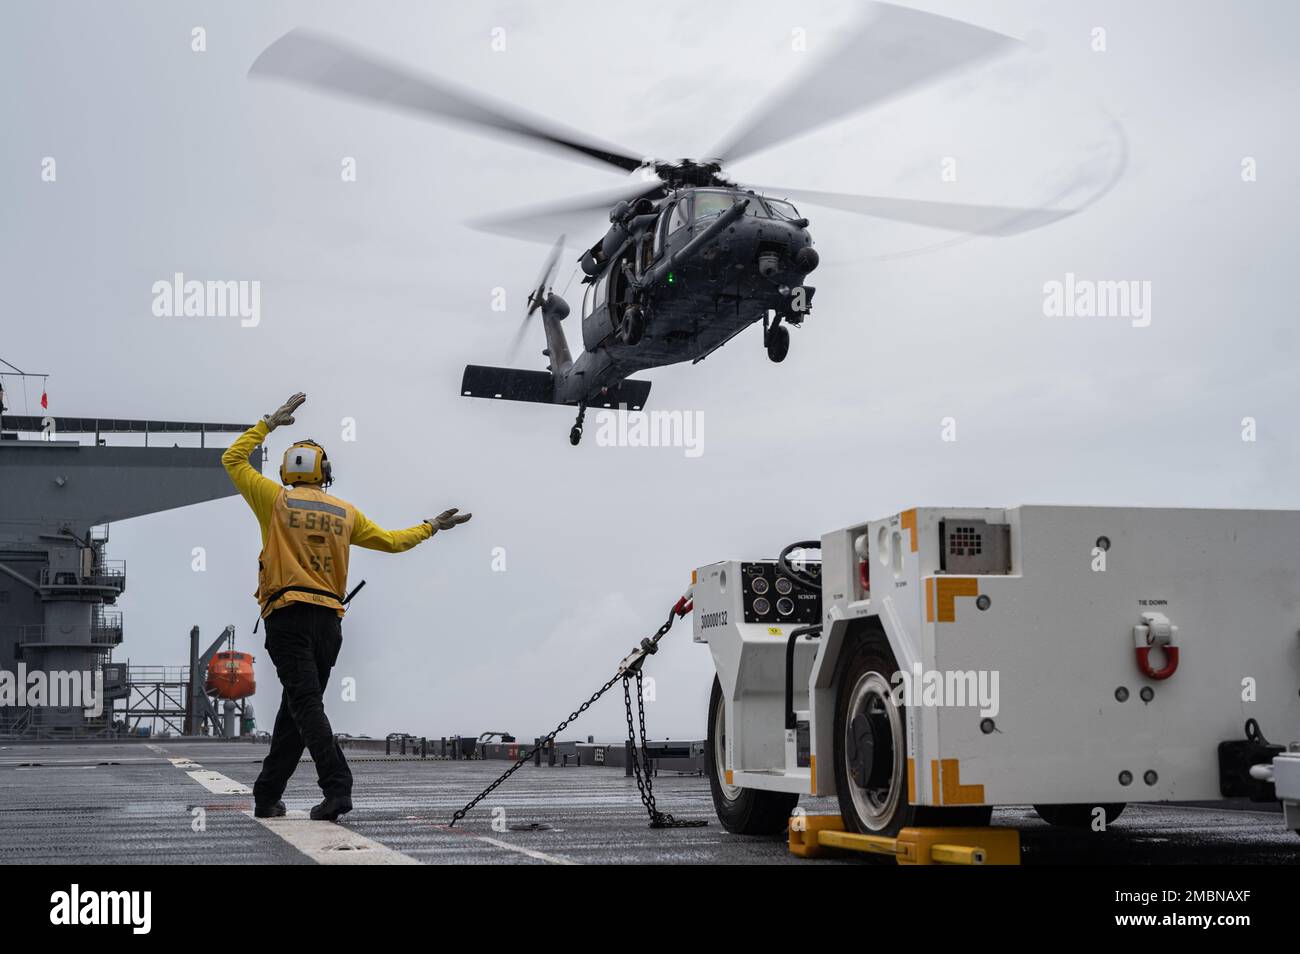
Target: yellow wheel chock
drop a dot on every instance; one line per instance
(812, 835)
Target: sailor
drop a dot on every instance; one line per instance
(302, 582)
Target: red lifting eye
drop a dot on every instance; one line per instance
(864, 576)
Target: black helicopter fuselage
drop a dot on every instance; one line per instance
(672, 280)
(690, 259)
(675, 281)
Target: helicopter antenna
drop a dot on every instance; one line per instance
(572, 275)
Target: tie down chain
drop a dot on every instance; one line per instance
(629, 671)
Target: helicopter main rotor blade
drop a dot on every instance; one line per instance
(891, 52)
(310, 59)
(540, 222)
(999, 220)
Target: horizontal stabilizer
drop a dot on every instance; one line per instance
(538, 387)
(628, 392)
(508, 384)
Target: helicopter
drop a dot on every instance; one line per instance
(691, 258)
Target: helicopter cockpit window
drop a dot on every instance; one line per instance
(782, 210)
(709, 204)
(678, 218)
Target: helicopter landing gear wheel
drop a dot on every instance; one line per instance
(778, 343)
(575, 432)
(633, 327)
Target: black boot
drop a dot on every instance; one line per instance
(269, 811)
(332, 808)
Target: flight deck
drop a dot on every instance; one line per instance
(182, 801)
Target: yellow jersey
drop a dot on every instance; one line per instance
(306, 533)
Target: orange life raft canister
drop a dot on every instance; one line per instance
(230, 675)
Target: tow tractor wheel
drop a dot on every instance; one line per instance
(742, 811)
(871, 750)
(778, 343)
(1076, 816)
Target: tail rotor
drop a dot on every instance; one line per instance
(540, 294)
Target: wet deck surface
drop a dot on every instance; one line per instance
(131, 803)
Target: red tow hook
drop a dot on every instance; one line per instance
(1170, 666)
(1155, 632)
(683, 606)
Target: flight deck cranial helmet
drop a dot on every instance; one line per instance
(305, 462)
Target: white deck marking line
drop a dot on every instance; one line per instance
(219, 784)
(181, 763)
(214, 782)
(33, 768)
(326, 842)
(329, 844)
(498, 843)
(323, 842)
(530, 852)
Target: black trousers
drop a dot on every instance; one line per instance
(303, 640)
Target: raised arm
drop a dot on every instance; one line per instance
(366, 533)
(260, 491)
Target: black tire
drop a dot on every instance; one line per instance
(778, 343)
(633, 325)
(742, 811)
(881, 806)
(1076, 816)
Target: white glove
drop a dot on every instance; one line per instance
(447, 519)
(284, 413)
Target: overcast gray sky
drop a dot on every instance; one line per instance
(375, 296)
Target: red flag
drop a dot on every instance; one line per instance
(45, 399)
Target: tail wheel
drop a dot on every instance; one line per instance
(1077, 816)
(870, 753)
(778, 343)
(742, 811)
